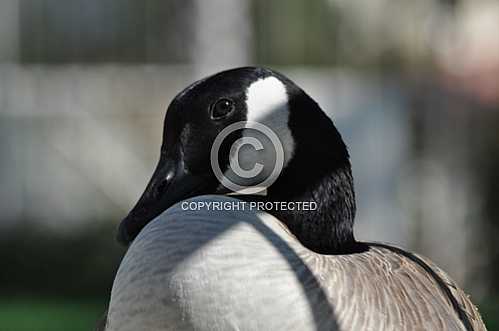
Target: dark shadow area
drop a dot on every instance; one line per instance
(39, 262)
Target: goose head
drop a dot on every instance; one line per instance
(314, 162)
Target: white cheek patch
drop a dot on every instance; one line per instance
(255, 160)
(267, 103)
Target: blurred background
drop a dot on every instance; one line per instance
(413, 86)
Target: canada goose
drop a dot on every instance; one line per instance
(193, 267)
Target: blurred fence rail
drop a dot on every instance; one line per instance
(74, 137)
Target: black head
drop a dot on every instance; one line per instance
(315, 160)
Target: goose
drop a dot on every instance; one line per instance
(200, 258)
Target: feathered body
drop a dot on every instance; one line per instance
(227, 270)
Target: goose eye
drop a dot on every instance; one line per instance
(222, 108)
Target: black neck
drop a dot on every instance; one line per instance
(329, 228)
(318, 172)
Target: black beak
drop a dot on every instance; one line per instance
(169, 184)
